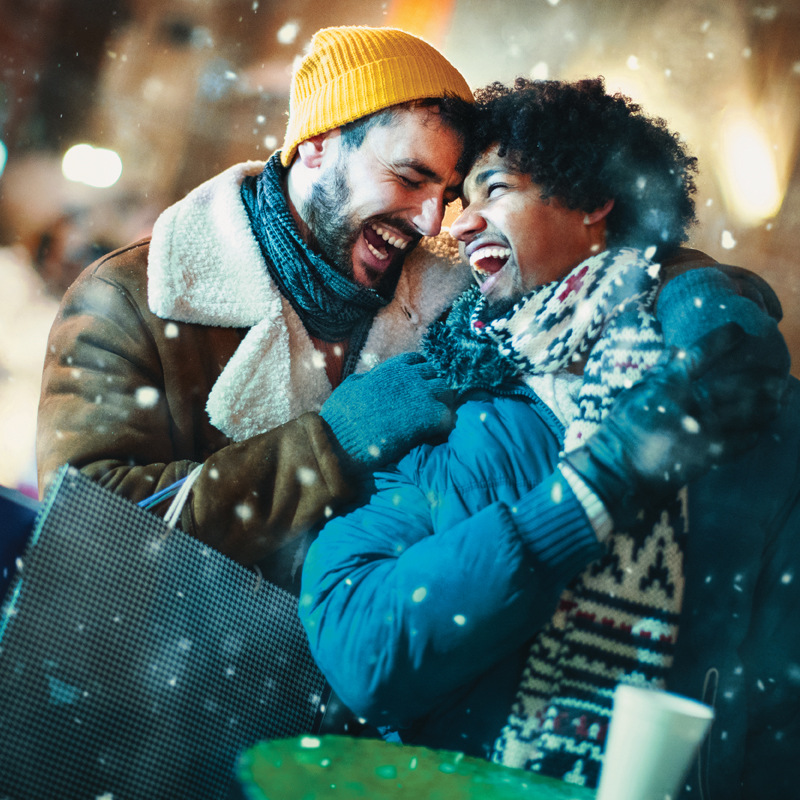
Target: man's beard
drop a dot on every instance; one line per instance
(332, 228)
(335, 231)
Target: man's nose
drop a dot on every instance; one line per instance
(467, 225)
(428, 220)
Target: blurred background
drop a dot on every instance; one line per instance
(110, 110)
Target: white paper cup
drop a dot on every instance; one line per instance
(652, 741)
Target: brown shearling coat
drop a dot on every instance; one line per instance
(99, 413)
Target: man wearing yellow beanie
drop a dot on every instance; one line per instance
(220, 342)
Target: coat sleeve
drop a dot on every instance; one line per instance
(400, 615)
(771, 651)
(701, 299)
(114, 407)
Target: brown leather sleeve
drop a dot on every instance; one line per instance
(123, 399)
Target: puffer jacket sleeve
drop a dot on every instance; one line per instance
(123, 399)
(399, 615)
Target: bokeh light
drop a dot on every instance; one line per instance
(747, 170)
(94, 166)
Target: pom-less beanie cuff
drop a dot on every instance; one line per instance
(352, 72)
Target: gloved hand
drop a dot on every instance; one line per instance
(677, 423)
(378, 416)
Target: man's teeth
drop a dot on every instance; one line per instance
(489, 252)
(390, 238)
(377, 253)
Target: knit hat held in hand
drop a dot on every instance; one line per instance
(351, 72)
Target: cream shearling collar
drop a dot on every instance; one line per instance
(205, 267)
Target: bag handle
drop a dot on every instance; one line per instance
(176, 507)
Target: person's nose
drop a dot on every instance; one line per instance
(428, 220)
(467, 225)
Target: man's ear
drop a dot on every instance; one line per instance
(599, 213)
(312, 152)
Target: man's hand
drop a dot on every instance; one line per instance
(696, 409)
(380, 415)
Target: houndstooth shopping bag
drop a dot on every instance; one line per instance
(136, 662)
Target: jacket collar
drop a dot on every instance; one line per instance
(205, 267)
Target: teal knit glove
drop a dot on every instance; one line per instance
(380, 415)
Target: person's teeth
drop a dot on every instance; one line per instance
(377, 253)
(390, 239)
(489, 252)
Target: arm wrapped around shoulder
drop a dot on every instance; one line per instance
(699, 407)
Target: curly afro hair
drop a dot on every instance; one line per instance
(585, 147)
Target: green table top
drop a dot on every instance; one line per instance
(316, 767)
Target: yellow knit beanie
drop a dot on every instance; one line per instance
(355, 71)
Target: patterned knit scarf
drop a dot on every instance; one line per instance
(331, 306)
(618, 621)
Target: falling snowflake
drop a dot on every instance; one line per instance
(171, 330)
(147, 396)
(310, 742)
(288, 32)
(690, 424)
(728, 242)
(540, 71)
(306, 476)
(419, 594)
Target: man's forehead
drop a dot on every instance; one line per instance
(435, 156)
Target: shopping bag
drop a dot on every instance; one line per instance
(137, 662)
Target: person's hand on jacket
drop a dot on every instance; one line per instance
(696, 409)
(378, 416)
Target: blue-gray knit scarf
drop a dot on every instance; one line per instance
(330, 305)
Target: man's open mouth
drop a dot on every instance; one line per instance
(384, 243)
(488, 260)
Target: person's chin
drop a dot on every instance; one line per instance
(498, 292)
(371, 271)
